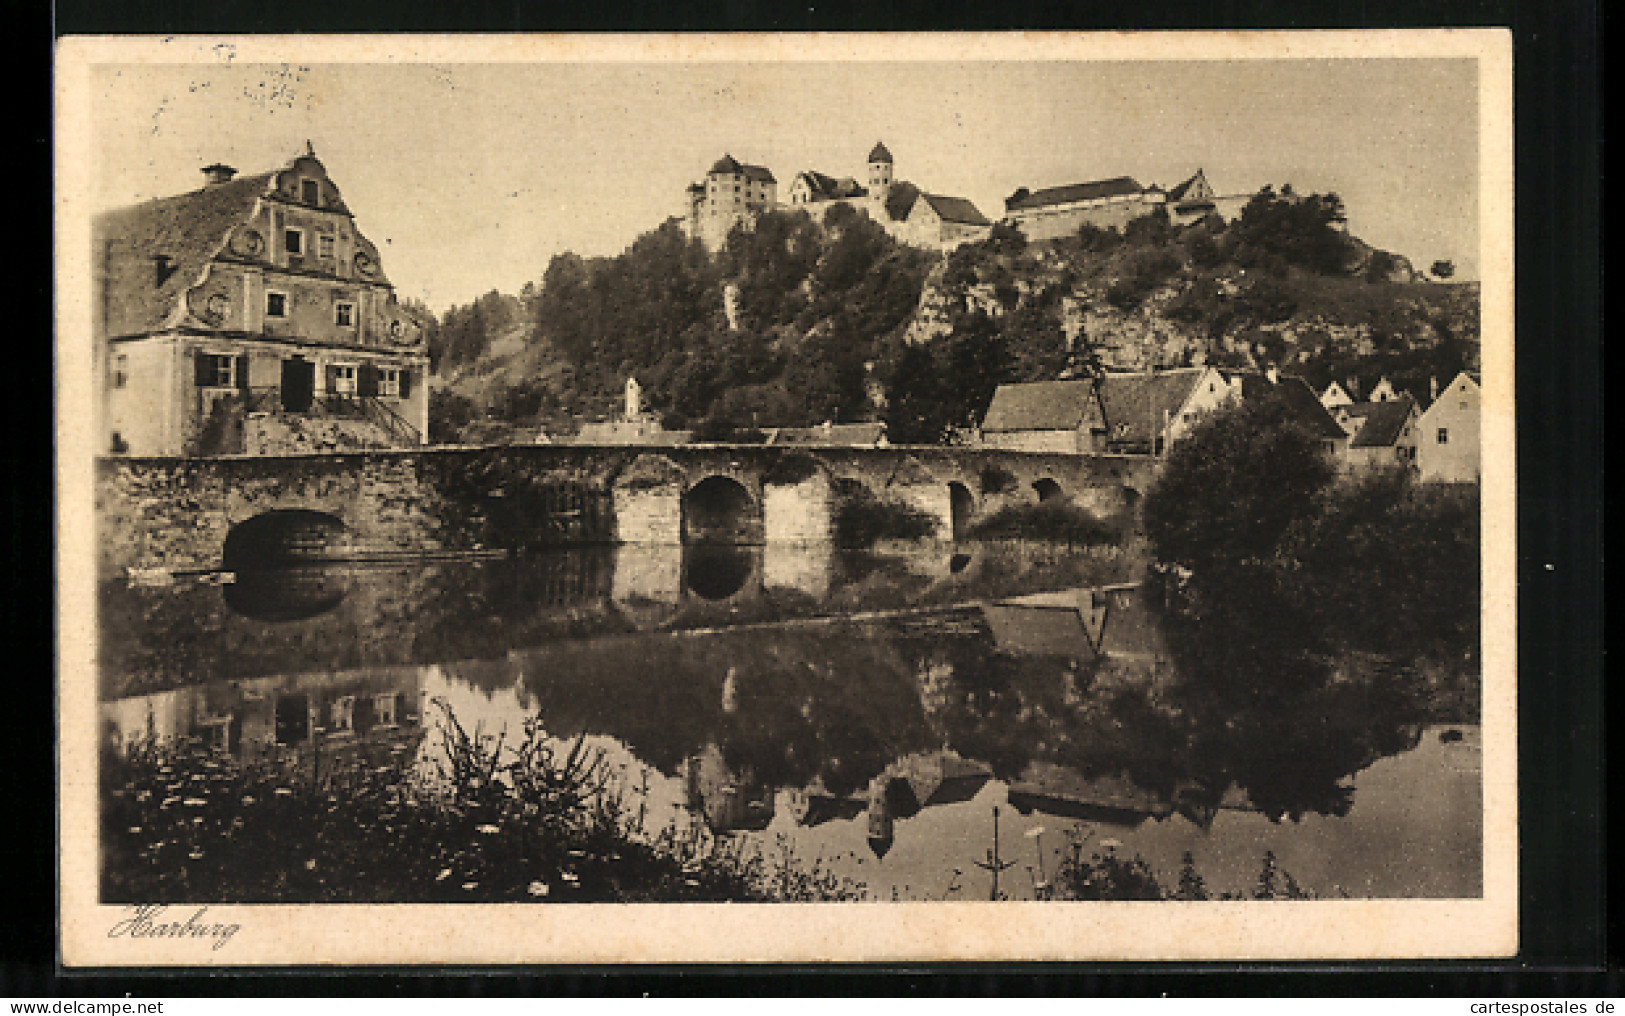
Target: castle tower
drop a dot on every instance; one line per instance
(880, 172)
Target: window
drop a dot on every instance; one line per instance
(344, 315)
(389, 381)
(1444, 435)
(293, 241)
(121, 370)
(343, 378)
(310, 192)
(216, 370)
(276, 305)
(324, 246)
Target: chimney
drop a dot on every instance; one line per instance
(1433, 389)
(218, 173)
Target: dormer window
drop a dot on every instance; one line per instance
(310, 192)
(293, 241)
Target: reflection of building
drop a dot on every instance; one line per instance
(728, 801)
(914, 783)
(277, 715)
(251, 315)
(1060, 790)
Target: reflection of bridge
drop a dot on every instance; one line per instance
(178, 514)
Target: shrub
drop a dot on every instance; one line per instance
(1054, 521)
(862, 519)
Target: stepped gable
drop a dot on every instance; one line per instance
(1118, 186)
(951, 209)
(188, 229)
(1383, 422)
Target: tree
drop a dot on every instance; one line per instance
(1231, 489)
(1443, 269)
(917, 406)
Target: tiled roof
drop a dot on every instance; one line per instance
(188, 229)
(955, 210)
(879, 153)
(1038, 405)
(1136, 403)
(1301, 400)
(900, 200)
(1179, 192)
(1383, 423)
(730, 166)
(825, 187)
(1115, 187)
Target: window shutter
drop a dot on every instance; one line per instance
(406, 383)
(202, 369)
(366, 380)
(242, 372)
(332, 379)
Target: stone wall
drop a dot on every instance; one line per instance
(168, 513)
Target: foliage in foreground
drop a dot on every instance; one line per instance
(1108, 874)
(532, 822)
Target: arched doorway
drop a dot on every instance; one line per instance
(1047, 490)
(719, 509)
(961, 508)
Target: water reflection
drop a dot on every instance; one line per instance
(887, 736)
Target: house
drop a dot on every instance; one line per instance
(943, 222)
(732, 193)
(1136, 413)
(252, 316)
(1112, 204)
(1380, 433)
(1447, 438)
(1335, 395)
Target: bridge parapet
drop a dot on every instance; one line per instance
(176, 513)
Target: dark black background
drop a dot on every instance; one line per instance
(1560, 469)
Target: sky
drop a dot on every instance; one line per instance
(471, 177)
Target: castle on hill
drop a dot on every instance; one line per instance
(735, 194)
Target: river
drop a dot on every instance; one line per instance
(872, 712)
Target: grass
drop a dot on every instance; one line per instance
(533, 821)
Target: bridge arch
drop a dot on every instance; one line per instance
(719, 509)
(284, 537)
(1048, 489)
(961, 510)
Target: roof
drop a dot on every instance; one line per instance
(879, 153)
(728, 165)
(1037, 630)
(1039, 405)
(1383, 422)
(1117, 186)
(900, 200)
(955, 209)
(1136, 403)
(188, 229)
(1179, 192)
(861, 435)
(825, 187)
(1301, 400)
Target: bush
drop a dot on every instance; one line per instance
(862, 519)
(1052, 521)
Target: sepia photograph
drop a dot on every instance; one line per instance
(1008, 496)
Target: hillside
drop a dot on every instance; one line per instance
(798, 321)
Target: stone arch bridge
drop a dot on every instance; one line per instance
(184, 514)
